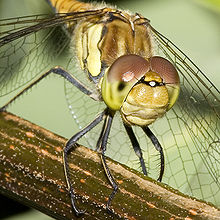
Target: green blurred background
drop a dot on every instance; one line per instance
(194, 26)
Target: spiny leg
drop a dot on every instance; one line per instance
(101, 145)
(69, 146)
(136, 147)
(58, 71)
(99, 142)
(158, 147)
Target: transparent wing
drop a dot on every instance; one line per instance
(30, 45)
(29, 54)
(190, 132)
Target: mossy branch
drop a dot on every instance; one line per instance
(31, 171)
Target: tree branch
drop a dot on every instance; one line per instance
(31, 171)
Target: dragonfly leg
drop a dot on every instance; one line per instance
(99, 142)
(158, 147)
(136, 147)
(59, 71)
(70, 145)
(101, 145)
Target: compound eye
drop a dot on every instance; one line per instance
(169, 75)
(127, 68)
(165, 68)
(120, 78)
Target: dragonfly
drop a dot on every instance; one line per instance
(155, 105)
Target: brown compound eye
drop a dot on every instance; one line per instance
(127, 68)
(165, 68)
(169, 75)
(120, 78)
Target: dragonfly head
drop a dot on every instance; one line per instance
(142, 90)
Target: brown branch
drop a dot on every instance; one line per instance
(31, 171)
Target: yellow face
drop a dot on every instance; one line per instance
(142, 90)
